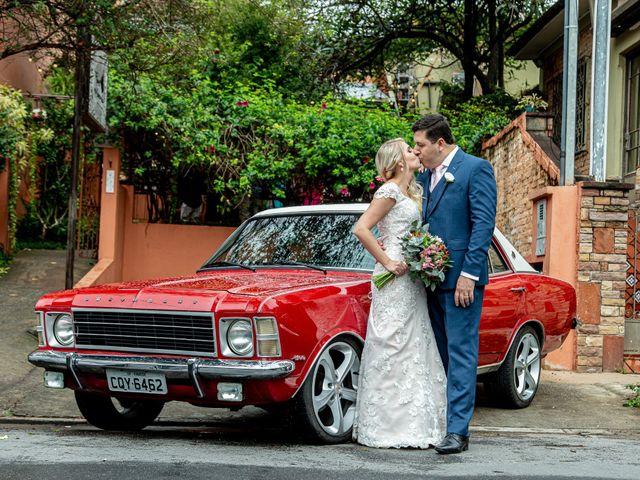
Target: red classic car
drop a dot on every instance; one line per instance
(276, 317)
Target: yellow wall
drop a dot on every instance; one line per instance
(620, 47)
(439, 67)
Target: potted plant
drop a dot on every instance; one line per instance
(532, 103)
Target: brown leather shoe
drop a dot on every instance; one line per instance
(453, 443)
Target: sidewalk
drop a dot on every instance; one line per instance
(566, 401)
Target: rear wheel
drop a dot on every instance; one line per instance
(109, 413)
(326, 403)
(515, 384)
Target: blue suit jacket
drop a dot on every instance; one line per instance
(463, 214)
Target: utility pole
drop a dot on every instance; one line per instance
(82, 47)
(600, 88)
(569, 78)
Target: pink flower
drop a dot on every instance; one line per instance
(212, 149)
(344, 192)
(242, 103)
(365, 160)
(379, 178)
(323, 106)
(372, 186)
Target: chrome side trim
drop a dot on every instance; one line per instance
(175, 368)
(489, 368)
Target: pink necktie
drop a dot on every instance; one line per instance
(436, 175)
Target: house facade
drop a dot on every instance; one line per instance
(585, 233)
(419, 86)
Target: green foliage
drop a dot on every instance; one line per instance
(253, 142)
(13, 133)
(5, 261)
(46, 217)
(19, 137)
(477, 119)
(634, 400)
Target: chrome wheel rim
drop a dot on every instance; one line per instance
(335, 388)
(527, 366)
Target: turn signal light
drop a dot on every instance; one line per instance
(267, 338)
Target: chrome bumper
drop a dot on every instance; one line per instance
(173, 368)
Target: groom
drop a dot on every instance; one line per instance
(459, 204)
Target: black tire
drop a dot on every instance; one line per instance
(515, 384)
(317, 424)
(109, 413)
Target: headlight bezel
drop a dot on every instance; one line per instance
(228, 347)
(51, 319)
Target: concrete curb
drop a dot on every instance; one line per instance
(177, 422)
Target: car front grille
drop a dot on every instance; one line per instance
(145, 331)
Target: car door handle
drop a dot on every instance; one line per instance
(519, 289)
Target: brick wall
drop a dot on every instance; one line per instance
(602, 257)
(521, 167)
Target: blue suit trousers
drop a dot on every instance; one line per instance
(456, 332)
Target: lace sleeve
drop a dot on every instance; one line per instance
(388, 190)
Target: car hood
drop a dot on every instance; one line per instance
(250, 283)
(201, 291)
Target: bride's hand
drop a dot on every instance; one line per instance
(396, 267)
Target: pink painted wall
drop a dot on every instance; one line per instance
(134, 251)
(560, 259)
(18, 72)
(155, 250)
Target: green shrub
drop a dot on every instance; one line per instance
(634, 400)
(478, 119)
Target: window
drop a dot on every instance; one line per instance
(632, 116)
(581, 105)
(325, 240)
(496, 262)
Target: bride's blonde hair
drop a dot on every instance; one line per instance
(388, 157)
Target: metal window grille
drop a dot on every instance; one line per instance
(632, 292)
(541, 226)
(632, 115)
(555, 95)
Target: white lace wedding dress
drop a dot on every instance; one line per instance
(402, 388)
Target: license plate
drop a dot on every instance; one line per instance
(136, 382)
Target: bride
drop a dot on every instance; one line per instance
(402, 390)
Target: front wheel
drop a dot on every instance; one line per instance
(326, 403)
(109, 413)
(516, 382)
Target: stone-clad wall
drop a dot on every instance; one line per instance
(520, 167)
(602, 257)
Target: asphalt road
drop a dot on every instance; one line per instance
(576, 426)
(73, 452)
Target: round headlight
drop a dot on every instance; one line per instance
(240, 337)
(63, 329)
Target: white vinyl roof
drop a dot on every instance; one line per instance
(517, 261)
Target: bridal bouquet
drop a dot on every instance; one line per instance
(426, 255)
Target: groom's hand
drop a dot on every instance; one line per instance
(464, 292)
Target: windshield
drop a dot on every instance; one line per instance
(323, 240)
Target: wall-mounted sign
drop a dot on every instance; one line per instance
(110, 186)
(96, 114)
